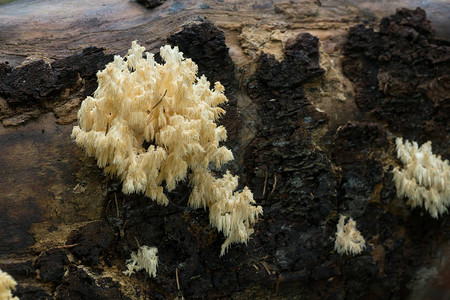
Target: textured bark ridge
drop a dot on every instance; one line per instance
(303, 166)
(205, 44)
(401, 74)
(39, 86)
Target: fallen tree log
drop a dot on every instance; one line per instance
(311, 139)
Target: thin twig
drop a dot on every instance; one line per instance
(265, 185)
(277, 284)
(265, 267)
(159, 100)
(274, 184)
(137, 242)
(66, 246)
(117, 204)
(122, 230)
(176, 276)
(107, 206)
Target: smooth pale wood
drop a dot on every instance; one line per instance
(54, 29)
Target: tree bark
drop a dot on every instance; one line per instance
(318, 91)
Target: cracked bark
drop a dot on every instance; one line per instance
(307, 155)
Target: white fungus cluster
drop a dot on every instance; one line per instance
(7, 283)
(425, 178)
(348, 239)
(145, 258)
(151, 123)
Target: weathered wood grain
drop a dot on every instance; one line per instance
(54, 29)
(48, 188)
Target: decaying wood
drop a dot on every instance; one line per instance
(295, 74)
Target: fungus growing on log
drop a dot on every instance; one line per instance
(425, 178)
(145, 258)
(348, 239)
(151, 123)
(7, 283)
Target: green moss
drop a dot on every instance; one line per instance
(6, 1)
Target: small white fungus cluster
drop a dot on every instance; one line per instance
(151, 123)
(145, 258)
(7, 283)
(348, 239)
(425, 178)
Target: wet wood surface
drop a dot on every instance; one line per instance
(54, 29)
(48, 187)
